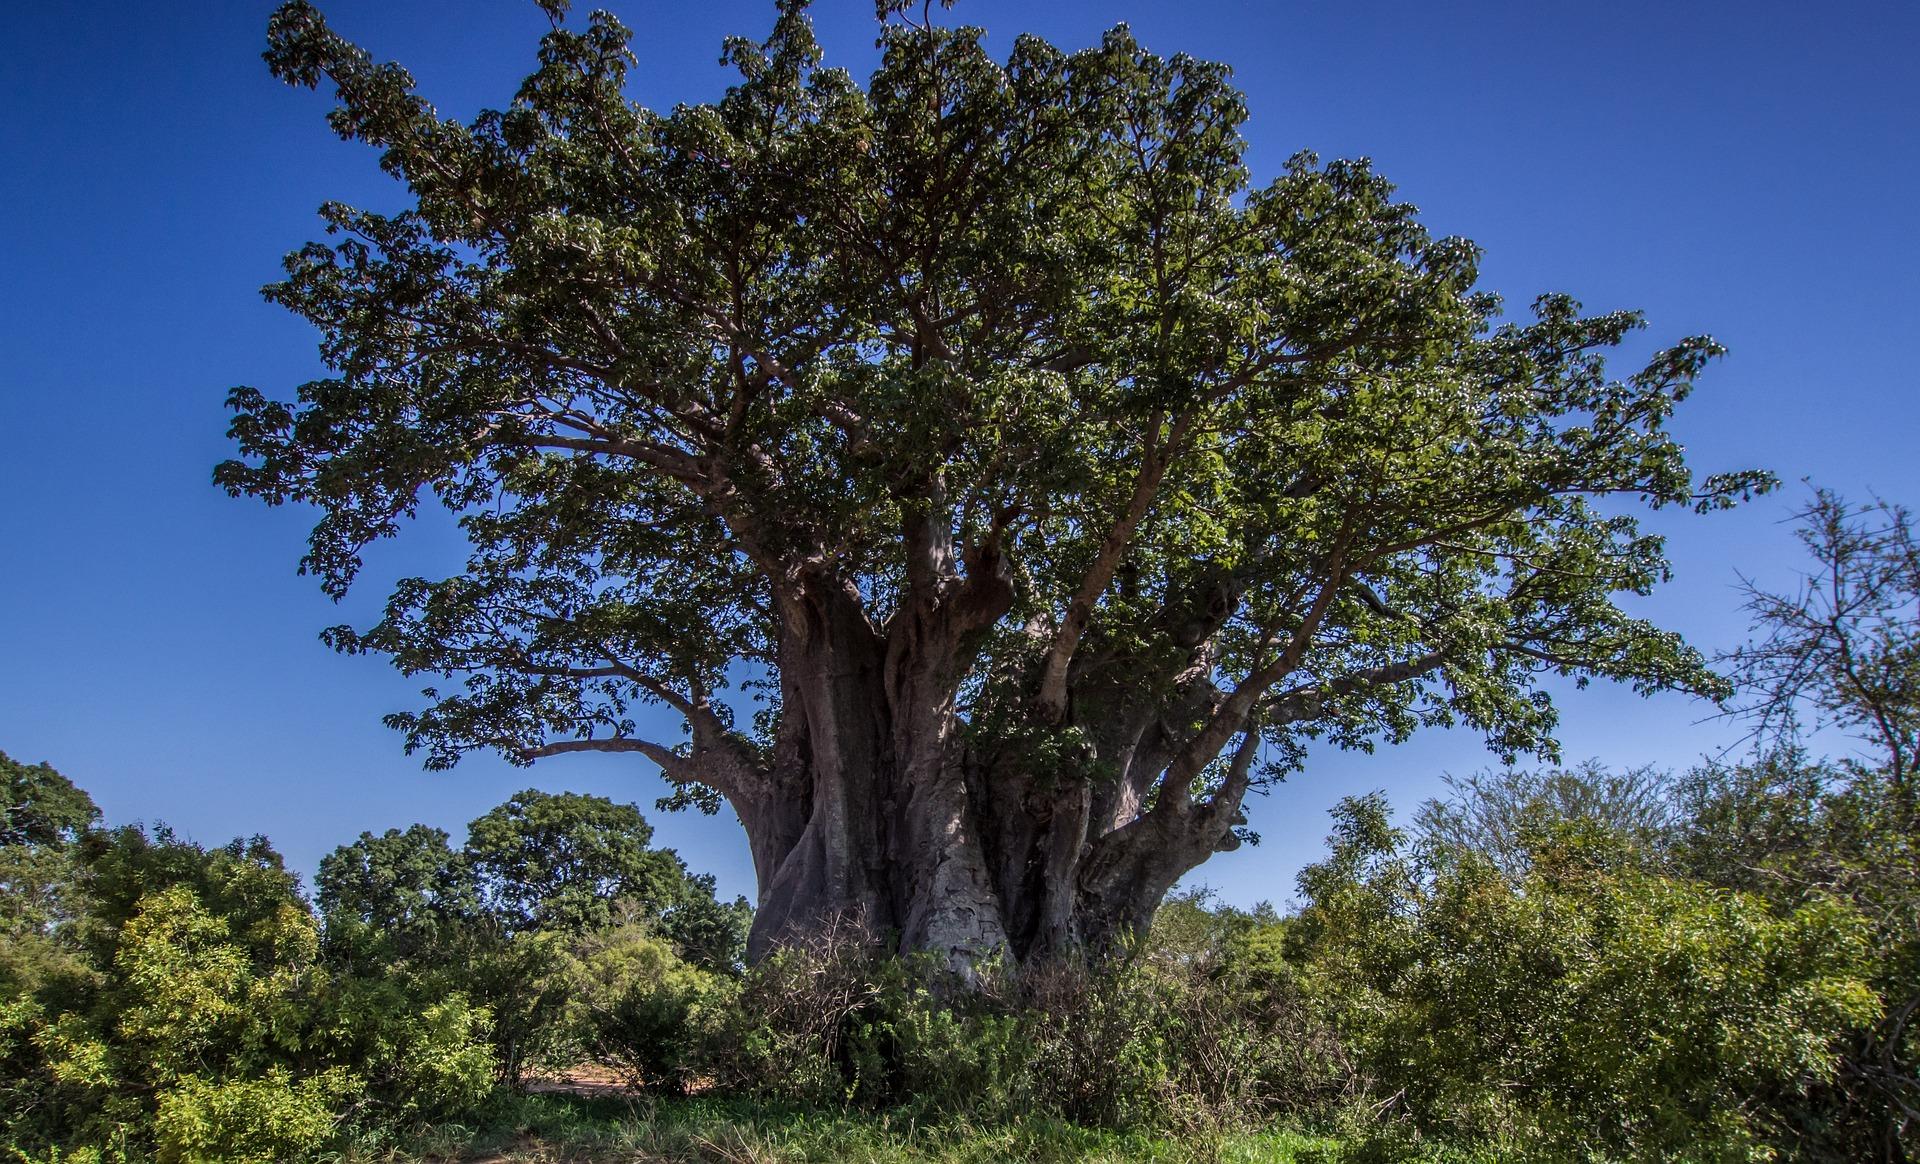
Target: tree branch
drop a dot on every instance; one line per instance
(1156, 457)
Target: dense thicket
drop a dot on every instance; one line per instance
(159, 999)
(1590, 964)
(1567, 983)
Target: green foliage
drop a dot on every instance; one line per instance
(1586, 1008)
(38, 906)
(517, 921)
(1589, 964)
(567, 862)
(1841, 652)
(633, 1004)
(522, 981)
(1008, 329)
(39, 807)
(1167, 1040)
(539, 863)
(248, 1121)
(708, 932)
(244, 882)
(1800, 833)
(423, 1056)
(188, 1013)
(196, 965)
(42, 816)
(393, 898)
(190, 999)
(1713, 989)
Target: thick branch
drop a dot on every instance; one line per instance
(672, 764)
(1052, 698)
(1310, 702)
(672, 462)
(1233, 712)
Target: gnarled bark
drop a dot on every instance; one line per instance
(960, 848)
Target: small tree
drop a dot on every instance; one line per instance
(566, 862)
(1844, 647)
(1841, 651)
(1503, 815)
(40, 807)
(1045, 484)
(546, 884)
(42, 816)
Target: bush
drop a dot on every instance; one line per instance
(249, 1121)
(182, 1007)
(1162, 1040)
(792, 1036)
(631, 1003)
(835, 1021)
(1589, 1009)
(424, 1058)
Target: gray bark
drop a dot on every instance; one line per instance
(879, 811)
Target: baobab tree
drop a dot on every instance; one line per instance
(995, 485)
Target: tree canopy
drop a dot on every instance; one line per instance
(992, 477)
(39, 806)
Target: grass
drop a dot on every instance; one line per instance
(561, 1129)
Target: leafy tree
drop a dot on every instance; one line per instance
(1752, 824)
(708, 932)
(394, 897)
(244, 883)
(189, 1016)
(567, 862)
(42, 815)
(539, 862)
(39, 806)
(181, 1006)
(507, 920)
(1037, 483)
(548, 868)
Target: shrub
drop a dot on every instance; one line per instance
(1159, 1041)
(631, 1002)
(423, 1057)
(187, 1012)
(790, 1037)
(248, 1121)
(1590, 1009)
(837, 1021)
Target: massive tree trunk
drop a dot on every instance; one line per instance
(877, 806)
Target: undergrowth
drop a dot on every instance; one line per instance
(559, 1129)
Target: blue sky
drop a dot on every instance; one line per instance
(1746, 170)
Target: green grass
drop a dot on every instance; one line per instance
(551, 1129)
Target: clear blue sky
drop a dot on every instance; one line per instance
(1747, 170)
